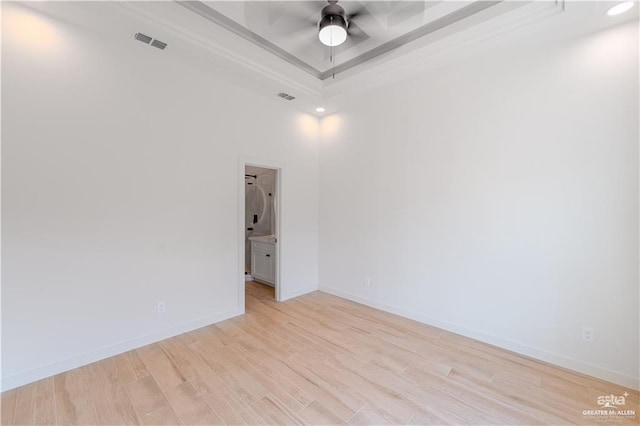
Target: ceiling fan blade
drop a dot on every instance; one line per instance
(355, 12)
(304, 33)
(356, 35)
(281, 18)
(306, 9)
(301, 10)
(362, 15)
(392, 13)
(307, 44)
(295, 28)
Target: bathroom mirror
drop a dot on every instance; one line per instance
(256, 203)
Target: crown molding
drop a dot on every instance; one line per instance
(195, 41)
(217, 40)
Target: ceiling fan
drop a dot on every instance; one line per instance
(338, 25)
(333, 24)
(333, 27)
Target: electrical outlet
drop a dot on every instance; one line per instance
(162, 307)
(367, 282)
(587, 334)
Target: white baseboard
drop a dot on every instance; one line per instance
(248, 277)
(542, 355)
(258, 280)
(35, 374)
(296, 293)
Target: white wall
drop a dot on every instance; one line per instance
(498, 198)
(120, 188)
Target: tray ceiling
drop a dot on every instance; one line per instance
(288, 29)
(197, 41)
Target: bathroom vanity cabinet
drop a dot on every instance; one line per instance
(263, 260)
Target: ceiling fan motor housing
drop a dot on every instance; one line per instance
(333, 14)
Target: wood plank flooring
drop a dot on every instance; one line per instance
(316, 359)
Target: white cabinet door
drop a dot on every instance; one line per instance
(271, 258)
(263, 265)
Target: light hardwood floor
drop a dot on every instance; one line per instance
(316, 359)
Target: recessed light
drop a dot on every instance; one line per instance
(620, 8)
(320, 109)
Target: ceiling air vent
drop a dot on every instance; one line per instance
(285, 96)
(143, 38)
(150, 40)
(160, 45)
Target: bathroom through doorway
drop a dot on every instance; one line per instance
(260, 223)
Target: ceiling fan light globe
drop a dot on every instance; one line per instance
(332, 35)
(333, 30)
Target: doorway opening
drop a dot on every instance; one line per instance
(260, 231)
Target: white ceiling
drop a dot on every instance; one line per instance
(290, 28)
(199, 41)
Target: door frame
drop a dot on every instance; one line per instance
(279, 168)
